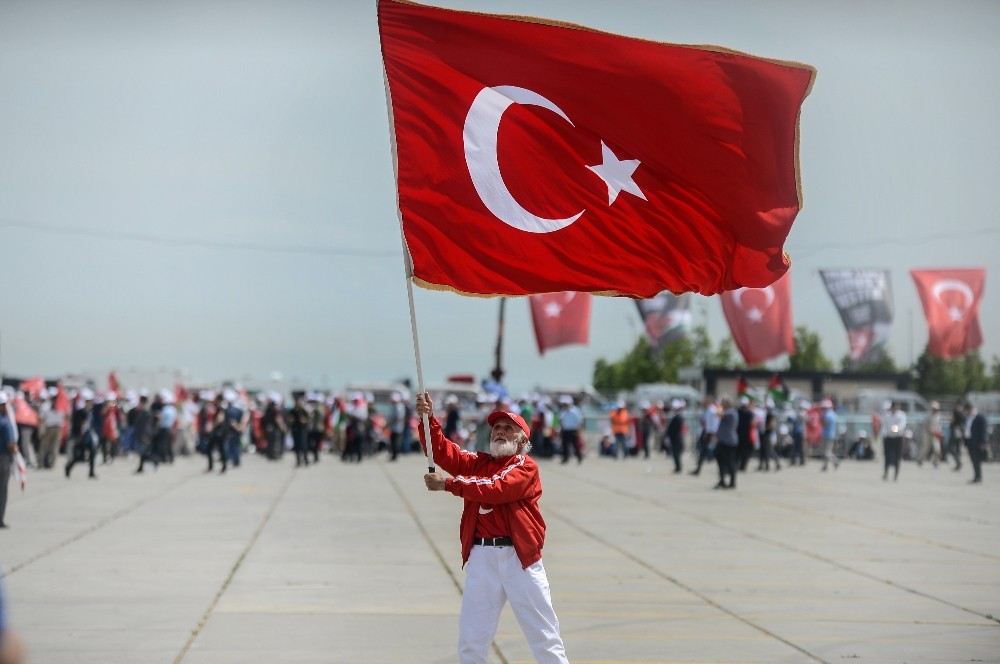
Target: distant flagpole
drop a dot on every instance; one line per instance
(408, 271)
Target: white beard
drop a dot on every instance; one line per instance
(503, 448)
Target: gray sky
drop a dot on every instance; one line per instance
(203, 124)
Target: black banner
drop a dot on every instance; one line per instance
(666, 317)
(864, 300)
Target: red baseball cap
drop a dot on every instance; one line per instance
(513, 417)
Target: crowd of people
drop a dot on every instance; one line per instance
(50, 426)
(93, 427)
(737, 434)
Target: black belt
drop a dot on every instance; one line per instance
(493, 541)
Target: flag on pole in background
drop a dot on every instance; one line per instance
(864, 301)
(560, 319)
(951, 305)
(760, 320)
(113, 384)
(665, 317)
(741, 386)
(777, 389)
(536, 157)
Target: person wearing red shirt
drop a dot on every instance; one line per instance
(502, 533)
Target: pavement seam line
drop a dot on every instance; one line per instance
(430, 541)
(235, 568)
(788, 547)
(683, 586)
(876, 529)
(125, 511)
(833, 492)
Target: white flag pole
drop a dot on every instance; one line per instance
(408, 270)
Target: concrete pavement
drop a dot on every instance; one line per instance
(360, 564)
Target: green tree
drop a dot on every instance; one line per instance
(881, 363)
(722, 357)
(939, 377)
(808, 355)
(643, 365)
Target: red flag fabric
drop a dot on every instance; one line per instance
(760, 320)
(536, 157)
(33, 386)
(951, 305)
(23, 413)
(62, 399)
(560, 319)
(113, 384)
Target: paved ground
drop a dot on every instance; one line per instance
(359, 564)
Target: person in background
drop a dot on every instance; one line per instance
(769, 439)
(930, 443)
(164, 440)
(675, 433)
(620, 424)
(709, 421)
(829, 425)
(52, 420)
(798, 429)
(725, 449)
(745, 426)
(141, 419)
(976, 441)
(298, 422)
(895, 431)
(956, 436)
(397, 421)
(82, 434)
(8, 448)
(570, 423)
(237, 421)
(317, 424)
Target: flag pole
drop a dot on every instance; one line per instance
(408, 273)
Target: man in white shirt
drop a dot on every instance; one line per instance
(895, 430)
(709, 428)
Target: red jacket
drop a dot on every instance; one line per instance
(511, 485)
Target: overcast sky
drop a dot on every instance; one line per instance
(150, 153)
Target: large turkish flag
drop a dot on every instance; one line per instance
(951, 306)
(539, 157)
(760, 320)
(560, 319)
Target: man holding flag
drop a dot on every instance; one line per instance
(534, 156)
(502, 533)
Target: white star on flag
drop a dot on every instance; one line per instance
(955, 313)
(552, 310)
(617, 174)
(755, 315)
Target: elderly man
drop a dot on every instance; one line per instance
(502, 533)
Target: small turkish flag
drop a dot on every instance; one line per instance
(560, 319)
(760, 320)
(537, 157)
(951, 305)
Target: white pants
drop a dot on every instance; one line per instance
(494, 575)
